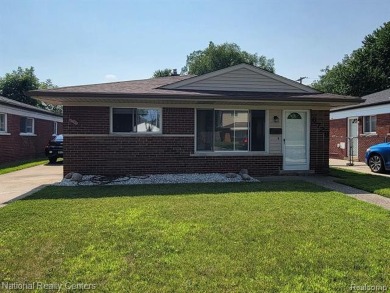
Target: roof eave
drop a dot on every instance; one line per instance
(61, 97)
(37, 110)
(360, 105)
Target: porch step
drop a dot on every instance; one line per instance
(296, 172)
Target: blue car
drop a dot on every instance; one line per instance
(378, 157)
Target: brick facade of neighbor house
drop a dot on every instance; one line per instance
(338, 135)
(90, 149)
(340, 131)
(374, 106)
(382, 131)
(15, 147)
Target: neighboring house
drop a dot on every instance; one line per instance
(355, 128)
(25, 130)
(236, 118)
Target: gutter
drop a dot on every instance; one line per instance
(360, 106)
(194, 97)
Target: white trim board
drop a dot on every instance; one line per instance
(266, 105)
(366, 111)
(32, 114)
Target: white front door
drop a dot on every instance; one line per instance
(353, 133)
(296, 140)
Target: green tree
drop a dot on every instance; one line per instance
(162, 72)
(14, 85)
(365, 71)
(216, 57)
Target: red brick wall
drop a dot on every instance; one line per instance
(143, 154)
(178, 120)
(338, 133)
(367, 140)
(86, 120)
(15, 147)
(319, 141)
(139, 155)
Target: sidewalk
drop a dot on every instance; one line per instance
(19, 184)
(328, 182)
(361, 167)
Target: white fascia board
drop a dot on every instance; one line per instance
(202, 104)
(32, 114)
(366, 111)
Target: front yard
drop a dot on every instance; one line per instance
(371, 183)
(284, 237)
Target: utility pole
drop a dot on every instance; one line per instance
(301, 78)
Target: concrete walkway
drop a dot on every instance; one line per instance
(350, 191)
(328, 182)
(19, 184)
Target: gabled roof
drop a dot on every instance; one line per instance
(19, 105)
(237, 83)
(242, 77)
(378, 98)
(143, 86)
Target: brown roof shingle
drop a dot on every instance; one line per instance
(378, 98)
(152, 89)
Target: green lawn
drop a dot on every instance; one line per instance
(372, 183)
(19, 165)
(238, 237)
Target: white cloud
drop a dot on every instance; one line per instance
(110, 77)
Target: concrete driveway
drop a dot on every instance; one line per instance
(22, 183)
(358, 167)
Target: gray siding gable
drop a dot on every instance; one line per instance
(240, 78)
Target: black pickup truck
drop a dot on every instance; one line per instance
(54, 149)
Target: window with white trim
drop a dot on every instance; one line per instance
(55, 127)
(230, 130)
(369, 124)
(27, 125)
(136, 120)
(3, 122)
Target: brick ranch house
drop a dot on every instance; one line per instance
(366, 124)
(234, 118)
(25, 130)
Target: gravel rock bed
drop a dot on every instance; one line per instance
(89, 180)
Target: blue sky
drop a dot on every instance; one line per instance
(76, 42)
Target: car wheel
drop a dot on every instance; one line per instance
(375, 163)
(53, 160)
